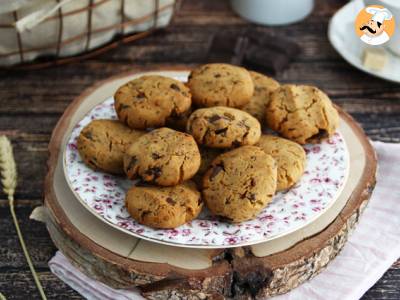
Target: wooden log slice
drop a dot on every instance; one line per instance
(161, 271)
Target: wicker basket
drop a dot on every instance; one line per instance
(60, 31)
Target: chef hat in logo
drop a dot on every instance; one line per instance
(379, 14)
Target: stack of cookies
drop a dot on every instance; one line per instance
(203, 142)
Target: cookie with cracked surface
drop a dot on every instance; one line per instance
(163, 156)
(263, 86)
(102, 143)
(240, 183)
(151, 100)
(220, 85)
(302, 113)
(223, 127)
(164, 207)
(290, 158)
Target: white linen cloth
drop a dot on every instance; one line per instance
(39, 25)
(371, 249)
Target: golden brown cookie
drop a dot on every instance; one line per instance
(263, 86)
(164, 207)
(240, 183)
(220, 85)
(102, 144)
(223, 127)
(301, 113)
(149, 101)
(163, 156)
(290, 158)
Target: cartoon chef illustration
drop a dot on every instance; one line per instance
(374, 29)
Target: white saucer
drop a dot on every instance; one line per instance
(345, 41)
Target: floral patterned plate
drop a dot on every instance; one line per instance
(103, 194)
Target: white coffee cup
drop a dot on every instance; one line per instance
(394, 6)
(273, 12)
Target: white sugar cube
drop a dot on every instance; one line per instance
(374, 58)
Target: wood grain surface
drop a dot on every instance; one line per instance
(32, 101)
(233, 273)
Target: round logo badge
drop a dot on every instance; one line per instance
(375, 25)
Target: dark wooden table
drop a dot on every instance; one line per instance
(31, 102)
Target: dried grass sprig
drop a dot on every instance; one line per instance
(8, 172)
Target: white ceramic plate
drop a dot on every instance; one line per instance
(343, 38)
(103, 195)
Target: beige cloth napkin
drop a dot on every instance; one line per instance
(370, 251)
(39, 25)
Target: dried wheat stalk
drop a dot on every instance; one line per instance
(8, 172)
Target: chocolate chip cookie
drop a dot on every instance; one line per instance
(220, 85)
(290, 158)
(240, 183)
(263, 86)
(102, 143)
(163, 156)
(149, 101)
(223, 127)
(301, 113)
(164, 207)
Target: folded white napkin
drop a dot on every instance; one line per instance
(370, 251)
